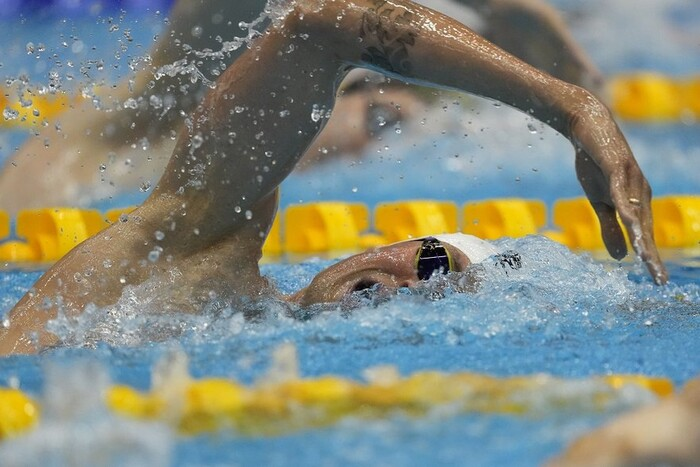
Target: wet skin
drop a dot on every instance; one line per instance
(391, 267)
(665, 433)
(217, 199)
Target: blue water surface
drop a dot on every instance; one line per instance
(564, 313)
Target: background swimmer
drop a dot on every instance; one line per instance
(114, 134)
(667, 433)
(200, 233)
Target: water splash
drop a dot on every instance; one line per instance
(77, 429)
(277, 10)
(189, 66)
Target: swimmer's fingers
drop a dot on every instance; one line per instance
(613, 237)
(626, 192)
(595, 185)
(634, 208)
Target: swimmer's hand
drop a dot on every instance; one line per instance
(615, 185)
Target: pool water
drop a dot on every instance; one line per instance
(568, 314)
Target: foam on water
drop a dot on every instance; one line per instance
(557, 297)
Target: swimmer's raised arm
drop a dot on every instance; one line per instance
(424, 45)
(417, 43)
(413, 42)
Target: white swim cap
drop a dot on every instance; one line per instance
(476, 249)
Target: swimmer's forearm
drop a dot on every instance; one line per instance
(252, 129)
(417, 43)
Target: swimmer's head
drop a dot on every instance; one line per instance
(403, 264)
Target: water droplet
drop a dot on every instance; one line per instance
(30, 48)
(145, 186)
(155, 101)
(237, 209)
(122, 280)
(77, 47)
(10, 114)
(316, 113)
(6, 323)
(154, 254)
(131, 103)
(159, 235)
(107, 264)
(197, 141)
(531, 127)
(249, 215)
(354, 189)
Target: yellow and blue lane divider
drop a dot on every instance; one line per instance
(45, 235)
(271, 408)
(644, 96)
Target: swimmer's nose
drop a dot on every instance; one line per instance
(363, 284)
(368, 283)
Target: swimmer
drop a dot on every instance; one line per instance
(666, 433)
(201, 231)
(536, 33)
(99, 153)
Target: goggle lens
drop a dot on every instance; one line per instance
(432, 256)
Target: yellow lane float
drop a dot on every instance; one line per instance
(32, 108)
(44, 235)
(272, 408)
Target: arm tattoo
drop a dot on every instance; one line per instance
(388, 30)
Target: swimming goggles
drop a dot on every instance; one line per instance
(432, 256)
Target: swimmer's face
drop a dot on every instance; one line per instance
(390, 267)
